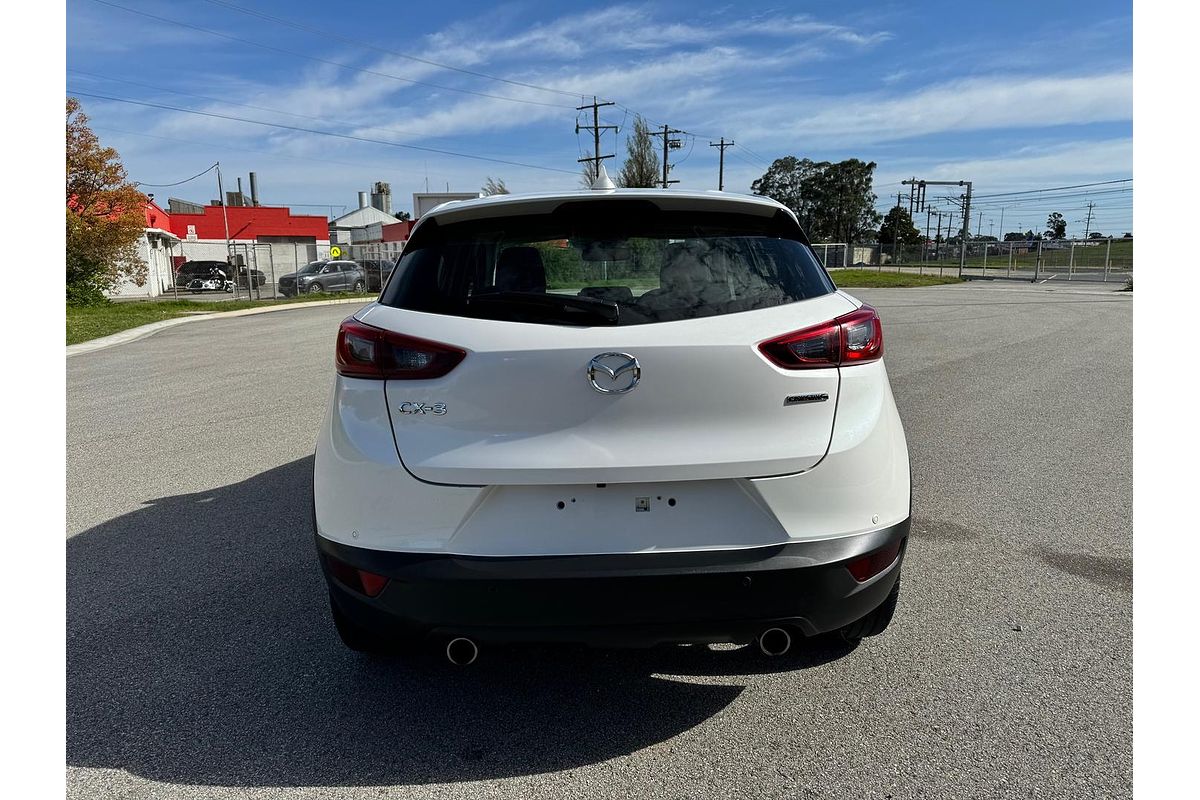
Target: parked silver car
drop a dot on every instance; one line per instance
(324, 276)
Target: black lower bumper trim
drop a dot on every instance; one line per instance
(642, 598)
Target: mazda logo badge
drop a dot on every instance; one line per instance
(614, 373)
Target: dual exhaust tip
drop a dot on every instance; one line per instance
(462, 652)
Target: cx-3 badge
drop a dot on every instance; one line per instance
(614, 373)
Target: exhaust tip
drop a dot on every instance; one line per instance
(462, 652)
(774, 641)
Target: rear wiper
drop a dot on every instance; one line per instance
(570, 309)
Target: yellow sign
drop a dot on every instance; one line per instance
(335, 252)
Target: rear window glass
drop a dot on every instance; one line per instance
(616, 263)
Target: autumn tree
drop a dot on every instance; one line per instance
(105, 215)
(642, 169)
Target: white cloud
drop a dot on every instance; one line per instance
(993, 102)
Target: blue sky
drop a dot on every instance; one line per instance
(1014, 95)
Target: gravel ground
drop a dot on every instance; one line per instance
(202, 661)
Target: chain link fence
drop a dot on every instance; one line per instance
(257, 267)
(1094, 259)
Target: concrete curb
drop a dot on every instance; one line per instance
(141, 332)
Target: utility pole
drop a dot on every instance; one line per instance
(937, 243)
(668, 145)
(228, 245)
(925, 245)
(1088, 227)
(896, 229)
(595, 128)
(721, 170)
(966, 218)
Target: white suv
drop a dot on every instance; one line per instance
(625, 417)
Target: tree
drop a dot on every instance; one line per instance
(1016, 236)
(403, 216)
(588, 176)
(493, 187)
(789, 180)
(1056, 226)
(1096, 235)
(105, 216)
(1127, 235)
(642, 169)
(833, 201)
(898, 228)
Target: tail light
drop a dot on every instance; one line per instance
(364, 351)
(866, 567)
(853, 338)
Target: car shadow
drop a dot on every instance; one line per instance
(200, 650)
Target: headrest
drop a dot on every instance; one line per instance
(520, 270)
(683, 270)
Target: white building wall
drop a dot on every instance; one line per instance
(154, 254)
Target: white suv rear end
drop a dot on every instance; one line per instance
(629, 416)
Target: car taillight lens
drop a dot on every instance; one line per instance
(853, 338)
(364, 351)
(870, 565)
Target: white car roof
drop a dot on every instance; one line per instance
(501, 205)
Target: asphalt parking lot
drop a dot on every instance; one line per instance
(202, 661)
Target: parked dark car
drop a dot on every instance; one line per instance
(323, 276)
(377, 271)
(189, 270)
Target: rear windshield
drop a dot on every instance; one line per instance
(591, 263)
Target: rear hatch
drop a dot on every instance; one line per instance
(651, 374)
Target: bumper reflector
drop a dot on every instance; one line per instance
(359, 580)
(866, 567)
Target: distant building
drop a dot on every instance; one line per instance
(271, 239)
(424, 202)
(351, 228)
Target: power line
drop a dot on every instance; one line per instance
(319, 60)
(320, 132)
(244, 105)
(1057, 188)
(327, 34)
(176, 183)
(360, 43)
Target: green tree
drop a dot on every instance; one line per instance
(105, 216)
(833, 201)
(789, 180)
(493, 186)
(642, 169)
(898, 228)
(1056, 226)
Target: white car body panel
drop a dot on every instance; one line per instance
(520, 409)
(524, 431)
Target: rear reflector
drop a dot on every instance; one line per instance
(364, 351)
(853, 338)
(866, 567)
(359, 580)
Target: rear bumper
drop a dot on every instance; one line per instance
(640, 598)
